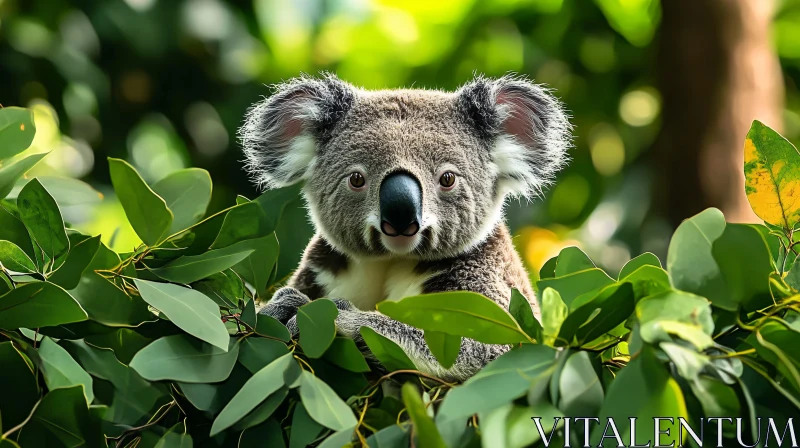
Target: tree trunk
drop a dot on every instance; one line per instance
(717, 73)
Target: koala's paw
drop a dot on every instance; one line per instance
(350, 319)
(284, 304)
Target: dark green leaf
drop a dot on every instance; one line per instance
(443, 346)
(146, 211)
(777, 342)
(457, 313)
(344, 353)
(548, 269)
(175, 440)
(80, 256)
(14, 231)
(304, 428)
(187, 193)
(11, 172)
(60, 370)
(256, 269)
(38, 304)
(186, 359)
(40, 214)
(189, 269)
(612, 306)
(745, 263)
(271, 327)
(323, 405)
(190, 310)
(257, 353)
(15, 259)
(424, 428)
(263, 411)
(265, 382)
(521, 310)
(64, 414)
(274, 201)
(225, 288)
(391, 356)
(643, 389)
(317, 328)
(580, 390)
(268, 434)
(648, 280)
(390, 437)
(245, 222)
(125, 343)
(338, 439)
(16, 130)
(16, 402)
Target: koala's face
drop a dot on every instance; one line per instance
(412, 173)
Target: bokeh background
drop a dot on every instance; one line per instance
(661, 93)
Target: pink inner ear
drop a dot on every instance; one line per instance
(292, 128)
(520, 119)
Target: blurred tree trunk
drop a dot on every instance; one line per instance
(717, 73)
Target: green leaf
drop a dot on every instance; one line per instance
(571, 260)
(501, 381)
(257, 353)
(338, 439)
(457, 313)
(190, 310)
(648, 280)
(304, 428)
(424, 428)
(14, 258)
(323, 405)
(68, 191)
(213, 397)
(554, 313)
(317, 328)
(175, 440)
(690, 262)
(271, 327)
(147, 212)
(64, 414)
(522, 312)
(16, 130)
(125, 343)
(612, 306)
(14, 231)
(645, 259)
(38, 304)
(344, 353)
(263, 411)
(745, 263)
(444, 347)
(390, 355)
(548, 269)
(68, 276)
(225, 288)
(244, 222)
(772, 170)
(256, 269)
(16, 402)
(133, 398)
(40, 214)
(11, 172)
(390, 437)
(183, 358)
(674, 312)
(268, 434)
(777, 343)
(189, 269)
(580, 390)
(60, 370)
(574, 285)
(644, 390)
(273, 202)
(265, 382)
(187, 193)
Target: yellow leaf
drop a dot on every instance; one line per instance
(772, 176)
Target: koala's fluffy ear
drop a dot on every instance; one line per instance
(527, 127)
(281, 133)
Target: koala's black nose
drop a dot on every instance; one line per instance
(401, 204)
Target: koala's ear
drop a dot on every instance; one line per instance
(527, 128)
(281, 133)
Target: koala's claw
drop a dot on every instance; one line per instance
(284, 304)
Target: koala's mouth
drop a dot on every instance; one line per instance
(401, 244)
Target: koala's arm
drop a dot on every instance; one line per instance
(491, 269)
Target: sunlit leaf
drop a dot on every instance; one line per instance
(10, 172)
(16, 131)
(187, 193)
(147, 212)
(14, 258)
(391, 356)
(521, 310)
(40, 214)
(424, 428)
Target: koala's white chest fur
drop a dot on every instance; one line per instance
(367, 282)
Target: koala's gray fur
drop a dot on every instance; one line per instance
(500, 137)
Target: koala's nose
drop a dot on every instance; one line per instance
(401, 204)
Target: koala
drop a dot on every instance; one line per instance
(406, 189)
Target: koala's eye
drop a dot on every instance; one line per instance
(357, 181)
(448, 179)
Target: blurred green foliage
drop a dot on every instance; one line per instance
(164, 85)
